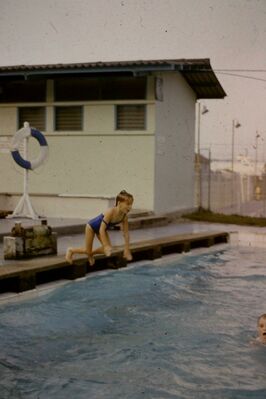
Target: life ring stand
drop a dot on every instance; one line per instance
(18, 138)
(24, 207)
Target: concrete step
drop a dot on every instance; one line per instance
(139, 213)
(148, 221)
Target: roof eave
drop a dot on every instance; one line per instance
(198, 73)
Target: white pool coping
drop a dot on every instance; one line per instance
(248, 239)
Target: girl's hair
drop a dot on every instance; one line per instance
(123, 196)
(263, 316)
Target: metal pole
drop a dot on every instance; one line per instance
(209, 182)
(232, 166)
(256, 152)
(233, 144)
(198, 158)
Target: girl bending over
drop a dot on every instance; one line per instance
(99, 225)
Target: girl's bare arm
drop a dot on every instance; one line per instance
(124, 226)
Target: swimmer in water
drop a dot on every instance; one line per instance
(261, 326)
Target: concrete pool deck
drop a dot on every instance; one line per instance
(146, 243)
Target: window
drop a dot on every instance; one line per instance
(34, 115)
(68, 118)
(123, 88)
(104, 88)
(130, 117)
(76, 89)
(22, 91)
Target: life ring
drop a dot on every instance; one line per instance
(20, 135)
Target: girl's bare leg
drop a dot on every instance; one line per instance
(89, 236)
(69, 254)
(100, 250)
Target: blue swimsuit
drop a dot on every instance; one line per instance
(96, 222)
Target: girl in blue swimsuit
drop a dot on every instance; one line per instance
(99, 225)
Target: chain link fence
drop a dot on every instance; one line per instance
(230, 192)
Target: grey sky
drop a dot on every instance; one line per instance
(232, 33)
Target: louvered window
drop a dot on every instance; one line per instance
(68, 118)
(130, 117)
(34, 115)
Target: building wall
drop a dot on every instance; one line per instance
(99, 161)
(175, 135)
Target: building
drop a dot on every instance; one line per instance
(109, 126)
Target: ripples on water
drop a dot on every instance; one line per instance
(175, 328)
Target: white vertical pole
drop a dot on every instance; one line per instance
(24, 207)
(26, 173)
(233, 144)
(209, 182)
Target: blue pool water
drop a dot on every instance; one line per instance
(175, 328)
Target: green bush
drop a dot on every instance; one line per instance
(208, 216)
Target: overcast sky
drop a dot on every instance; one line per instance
(232, 33)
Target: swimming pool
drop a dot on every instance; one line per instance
(178, 327)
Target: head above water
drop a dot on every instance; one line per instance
(261, 323)
(261, 317)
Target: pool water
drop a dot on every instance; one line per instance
(179, 327)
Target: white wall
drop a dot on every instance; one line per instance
(175, 135)
(98, 161)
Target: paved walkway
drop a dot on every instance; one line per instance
(67, 228)
(67, 236)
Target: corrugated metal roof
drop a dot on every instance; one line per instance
(197, 72)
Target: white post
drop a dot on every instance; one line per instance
(24, 207)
